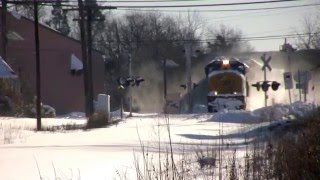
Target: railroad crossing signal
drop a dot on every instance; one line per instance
(266, 61)
(264, 85)
(257, 85)
(124, 82)
(275, 85)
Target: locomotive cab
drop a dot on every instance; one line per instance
(227, 84)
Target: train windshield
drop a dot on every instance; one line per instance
(226, 83)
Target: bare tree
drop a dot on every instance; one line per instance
(150, 38)
(227, 40)
(191, 26)
(309, 38)
(59, 20)
(25, 8)
(147, 35)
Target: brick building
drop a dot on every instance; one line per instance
(59, 88)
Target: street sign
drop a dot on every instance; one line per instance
(305, 76)
(304, 87)
(299, 86)
(266, 61)
(288, 84)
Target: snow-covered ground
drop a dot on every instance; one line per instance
(105, 153)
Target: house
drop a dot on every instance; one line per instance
(60, 88)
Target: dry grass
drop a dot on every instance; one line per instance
(297, 155)
(9, 134)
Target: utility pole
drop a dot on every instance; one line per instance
(84, 57)
(299, 82)
(119, 52)
(266, 65)
(288, 50)
(38, 72)
(188, 49)
(89, 51)
(165, 84)
(86, 47)
(165, 78)
(130, 91)
(265, 92)
(4, 29)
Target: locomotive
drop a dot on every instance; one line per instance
(228, 86)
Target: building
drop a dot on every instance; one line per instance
(60, 88)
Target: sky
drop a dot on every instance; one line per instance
(257, 23)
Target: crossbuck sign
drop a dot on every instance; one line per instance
(266, 61)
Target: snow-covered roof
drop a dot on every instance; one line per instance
(16, 15)
(5, 70)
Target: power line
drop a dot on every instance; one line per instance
(244, 39)
(204, 10)
(38, 1)
(224, 10)
(253, 14)
(165, 6)
(207, 5)
(150, 1)
(134, 8)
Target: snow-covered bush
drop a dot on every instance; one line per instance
(30, 111)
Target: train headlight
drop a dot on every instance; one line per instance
(225, 62)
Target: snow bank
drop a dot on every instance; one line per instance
(234, 116)
(281, 111)
(82, 115)
(200, 108)
(271, 113)
(74, 115)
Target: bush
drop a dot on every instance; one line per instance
(98, 120)
(30, 111)
(291, 153)
(297, 155)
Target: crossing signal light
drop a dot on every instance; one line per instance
(124, 82)
(137, 81)
(265, 86)
(275, 85)
(257, 85)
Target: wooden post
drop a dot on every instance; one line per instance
(38, 71)
(265, 92)
(289, 61)
(84, 56)
(188, 50)
(89, 50)
(4, 29)
(165, 84)
(130, 90)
